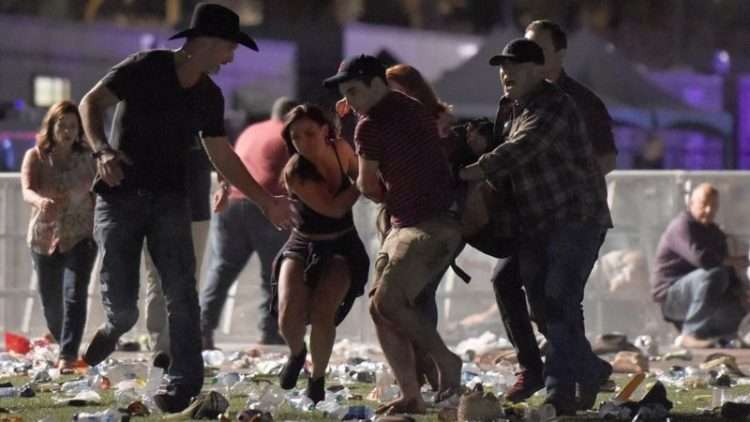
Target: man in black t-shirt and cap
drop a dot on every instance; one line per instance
(167, 99)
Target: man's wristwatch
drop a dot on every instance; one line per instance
(101, 151)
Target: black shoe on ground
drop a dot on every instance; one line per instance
(316, 389)
(161, 360)
(605, 371)
(564, 406)
(587, 393)
(100, 348)
(174, 400)
(290, 373)
(527, 383)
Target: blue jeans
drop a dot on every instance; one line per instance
(63, 286)
(559, 262)
(235, 234)
(511, 297)
(122, 221)
(706, 303)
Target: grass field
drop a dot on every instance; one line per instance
(687, 404)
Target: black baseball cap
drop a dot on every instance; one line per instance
(358, 67)
(519, 50)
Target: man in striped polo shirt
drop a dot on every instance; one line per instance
(401, 166)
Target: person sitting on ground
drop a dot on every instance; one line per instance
(324, 266)
(693, 279)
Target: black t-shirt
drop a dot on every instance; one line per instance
(159, 121)
(199, 184)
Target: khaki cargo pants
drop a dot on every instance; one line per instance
(412, 257)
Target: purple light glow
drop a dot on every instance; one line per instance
(743, 121)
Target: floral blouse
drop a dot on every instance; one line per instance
(71, 179)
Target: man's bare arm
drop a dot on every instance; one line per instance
(93, 106)
(231, 168)
(368, 181)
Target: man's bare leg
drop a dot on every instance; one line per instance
(411, 326)
(399, 354)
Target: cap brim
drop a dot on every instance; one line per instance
(502, 58)
(335, 80)
(240, 38)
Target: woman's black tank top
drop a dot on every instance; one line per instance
(312, 222)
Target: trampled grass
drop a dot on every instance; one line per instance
(688, 404)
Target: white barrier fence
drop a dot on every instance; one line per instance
(642, 204)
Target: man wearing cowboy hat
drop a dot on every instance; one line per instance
(167, 100)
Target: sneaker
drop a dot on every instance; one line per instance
(527, 383)
(316, 389)
(290, 372)
(100, 348)
(174, 400)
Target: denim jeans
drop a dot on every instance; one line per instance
(156, 310)
(511, 299)
(558, 263)
(706, 302)
(63, 286)
(234, 235)
(122, 221)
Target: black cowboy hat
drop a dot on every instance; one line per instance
(213, 20)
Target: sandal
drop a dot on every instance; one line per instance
(66, 366)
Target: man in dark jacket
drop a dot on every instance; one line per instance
(693, 279)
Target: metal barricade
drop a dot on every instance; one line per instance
(617, 297)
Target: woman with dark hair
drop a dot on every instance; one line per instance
(56, 178)
(324, 266)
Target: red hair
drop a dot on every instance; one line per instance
(412, 81)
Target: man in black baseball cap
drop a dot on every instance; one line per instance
(520, 67)
(402, 166)
(361, 67)
(558, 209)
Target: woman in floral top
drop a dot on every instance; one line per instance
(56, 179)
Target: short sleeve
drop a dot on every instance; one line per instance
(368, 141)
(213, 126)
(124, 77)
